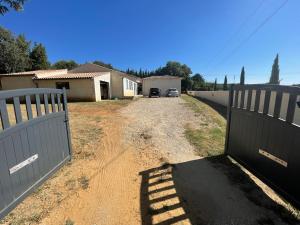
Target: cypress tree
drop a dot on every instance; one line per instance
(215, 85)
(274, 79)
(242, 78)
(225, 84)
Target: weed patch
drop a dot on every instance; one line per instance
(84, 182)
(69, 222)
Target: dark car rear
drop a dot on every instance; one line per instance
(154, 92)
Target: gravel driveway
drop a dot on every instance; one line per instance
(160, 122)
(204, 190)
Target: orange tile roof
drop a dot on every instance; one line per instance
(70, 76)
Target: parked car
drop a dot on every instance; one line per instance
(172, 92)
(154, 92)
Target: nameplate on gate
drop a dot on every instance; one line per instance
(272, 157)
(23, 164)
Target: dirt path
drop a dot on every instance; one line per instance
(113, 184)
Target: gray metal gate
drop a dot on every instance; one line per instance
(262, 135)
(34, 141)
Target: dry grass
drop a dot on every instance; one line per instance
(209, 138)
(86, 124)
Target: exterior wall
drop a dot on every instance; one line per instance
(129, 87)
(97, 88)
(162, 83)
(221, 97)
(80, 89)
(118, 85)
(17, 82)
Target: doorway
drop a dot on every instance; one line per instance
(104, 88)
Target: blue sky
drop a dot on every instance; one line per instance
(147, 33)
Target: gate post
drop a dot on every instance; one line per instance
(65, 107)
(229, 105)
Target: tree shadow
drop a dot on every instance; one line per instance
(206, 191)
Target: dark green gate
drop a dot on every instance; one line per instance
(262, 134)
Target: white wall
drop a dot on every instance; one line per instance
(162, 83)
(129, 87)
(221, 97)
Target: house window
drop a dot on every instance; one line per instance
(61, 85)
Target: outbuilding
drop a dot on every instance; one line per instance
(164, 83)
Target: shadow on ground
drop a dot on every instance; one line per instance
(222, 110)
(206, 191)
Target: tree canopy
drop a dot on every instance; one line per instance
(39, 59)
(14, 52)
(274, 79)
(17, 55)
(174, 68)
(100, 63)
(14, 4)
(198, 81)
(64, 64)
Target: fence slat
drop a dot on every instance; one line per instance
(58, 102)
(267, 102)
(28, 107)
(46, 103)
(277, 106)
(38, 105)
(291, 108)
(4, 115)
(242, 99)
(257, 100)
(249, 99)
(236, 98)
(53, 103)
(17, 109)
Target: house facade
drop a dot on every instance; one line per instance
(122, 85)
(88, 82)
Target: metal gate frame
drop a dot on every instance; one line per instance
(36, 146)
(261, 140)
